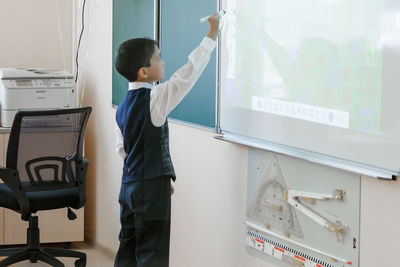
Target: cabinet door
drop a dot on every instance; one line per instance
(54, 225)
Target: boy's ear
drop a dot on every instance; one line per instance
(142, 73)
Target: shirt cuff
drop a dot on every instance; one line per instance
(208, 43)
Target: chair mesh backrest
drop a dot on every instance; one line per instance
(48, 148)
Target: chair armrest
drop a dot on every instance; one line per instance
(11, 180)
(81, 169)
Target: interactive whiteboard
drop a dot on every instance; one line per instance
(319, 75)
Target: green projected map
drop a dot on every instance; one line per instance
(314, 60)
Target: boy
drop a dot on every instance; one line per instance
(143, 144)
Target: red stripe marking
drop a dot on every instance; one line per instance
(281, 250)
(259, 240)
(319, 265)
(300, 258)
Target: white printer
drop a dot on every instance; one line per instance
(34, 89)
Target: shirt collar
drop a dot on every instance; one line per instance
(137, 85)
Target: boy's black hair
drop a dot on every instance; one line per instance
(133, 55)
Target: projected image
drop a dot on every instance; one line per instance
(313, 60)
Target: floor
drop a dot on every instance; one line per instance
(96, 257)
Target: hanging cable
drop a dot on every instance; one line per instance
(80, 39)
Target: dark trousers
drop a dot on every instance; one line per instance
(145, 223)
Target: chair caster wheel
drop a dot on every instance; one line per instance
(80, 263)
(33, 259)
(67, 245)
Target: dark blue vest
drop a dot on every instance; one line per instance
(146, 146)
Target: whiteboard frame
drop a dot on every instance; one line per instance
(218, 82)
(338, 163)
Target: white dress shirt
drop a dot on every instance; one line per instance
(165, 96)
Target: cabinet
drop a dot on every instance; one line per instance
(54, 225)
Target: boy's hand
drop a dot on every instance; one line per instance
(172, 190)
(214, 22)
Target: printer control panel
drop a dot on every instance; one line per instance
(38, 83)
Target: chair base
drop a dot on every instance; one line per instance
(47, 255)
(33, 252)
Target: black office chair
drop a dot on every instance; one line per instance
(45, 170)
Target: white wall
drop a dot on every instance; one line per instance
(380, 220)
(29, 34)
(209, 203)
(102, 208)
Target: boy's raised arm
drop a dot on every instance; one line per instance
(166, 96)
